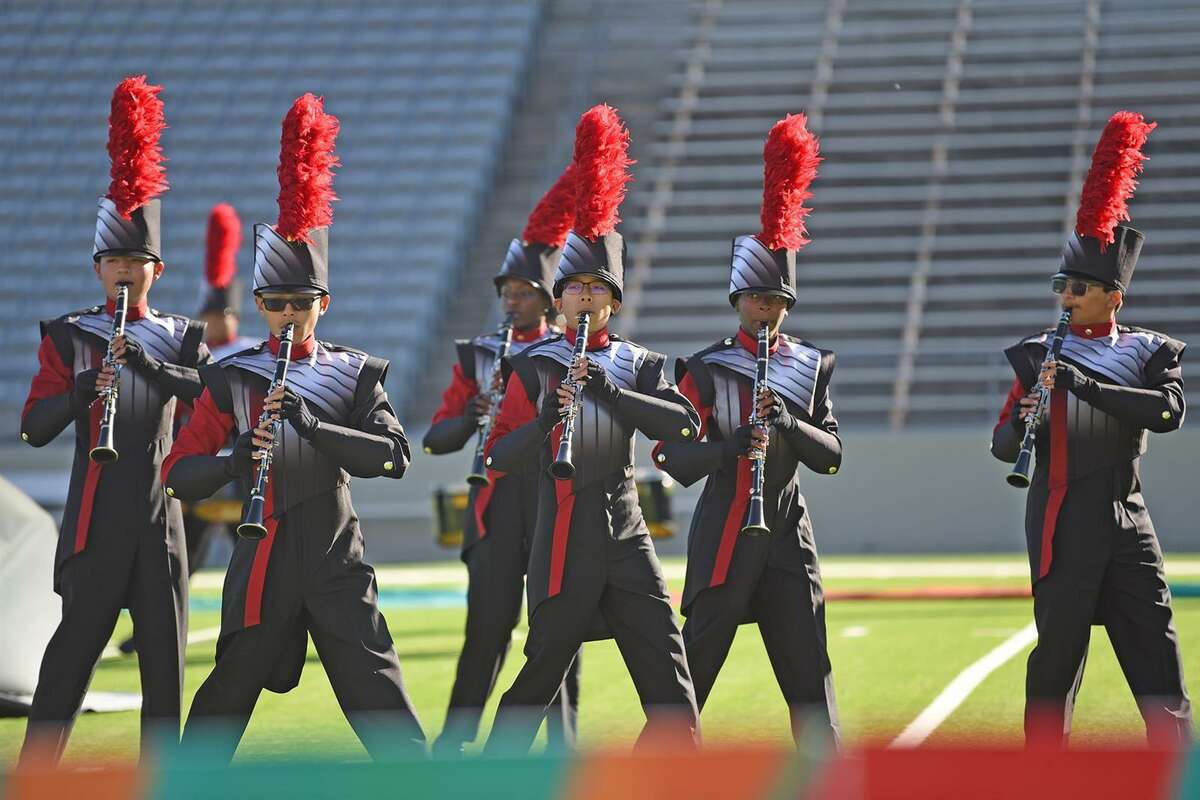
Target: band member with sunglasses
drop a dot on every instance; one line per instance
(121, 543)
(773, 578)
(593, 572)
(499, 518)
(306, 577)
(1093, 552)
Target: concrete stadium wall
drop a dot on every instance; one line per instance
(909, 492)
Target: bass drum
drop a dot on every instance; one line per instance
(450, 515)
(654, 496)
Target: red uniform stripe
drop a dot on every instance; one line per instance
(741, 499)
(262, 556)
(482, 498)
(563, 491)
(84, 522)
(1058, 476)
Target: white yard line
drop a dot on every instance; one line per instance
(195, 637)
(961, 687)
(452, 574)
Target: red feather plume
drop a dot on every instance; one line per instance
(554, 214)
(135, 125)
(601, 168)
(221, 246)
(1110, 181)
(790, 159)
(306, 163)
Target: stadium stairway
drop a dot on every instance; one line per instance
(588, 51)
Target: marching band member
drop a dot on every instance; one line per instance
(1094, 557)
(770, 577)
(121, 544)
(307, 576)
(499, 520)
(593, 572)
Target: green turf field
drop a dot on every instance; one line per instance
(891, 659)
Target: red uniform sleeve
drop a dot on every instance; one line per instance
(516, 409)
(53, 378)
(457, 395)
(205, 433)
(1014, 397)
(688, 388)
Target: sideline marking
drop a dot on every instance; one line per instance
(961, 687)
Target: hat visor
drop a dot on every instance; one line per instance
(290, 290)
(134, 253)
(790, 298)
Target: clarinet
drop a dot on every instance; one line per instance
(252, 526)
(1020, 475)
(563, 469)
(105, 451)
(756, 518)
(478, 476)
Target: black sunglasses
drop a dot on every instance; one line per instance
(1075, 286)
(280, 303)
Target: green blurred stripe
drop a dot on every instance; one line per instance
(494, 779)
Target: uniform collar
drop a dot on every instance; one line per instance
(530, 334)
(133, 313)
(300, 350)
(750, 341)
(1096, 330)
(596, 341)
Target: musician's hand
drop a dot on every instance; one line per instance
(130, 352)
(86, 387)
(600, 384)
(580, 373)
(1060, 375)
(479, 406)
(496, 384)
(293, 408)
(553, 408)
(1028, 406)
(241, 459)
(772, 409)
(745, 439)
(105, 378)
(263, 437)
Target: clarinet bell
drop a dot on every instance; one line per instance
(756, 519)
(562, 469)
(105, 452)
(1019, 477)
(251, 526)
(478, 476)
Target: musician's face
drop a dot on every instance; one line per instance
(755, 308)
(1097, 304)
(136, 271)
(305, 319)
(525, 302)
(587, 294)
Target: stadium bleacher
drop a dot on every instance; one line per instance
(424, 91)
(955, 138)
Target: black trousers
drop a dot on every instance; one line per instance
(622, 583)
(790, 612)
(496, 568)
(365, 677)
(1108, 572)
(319, 585)
(134, 569)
